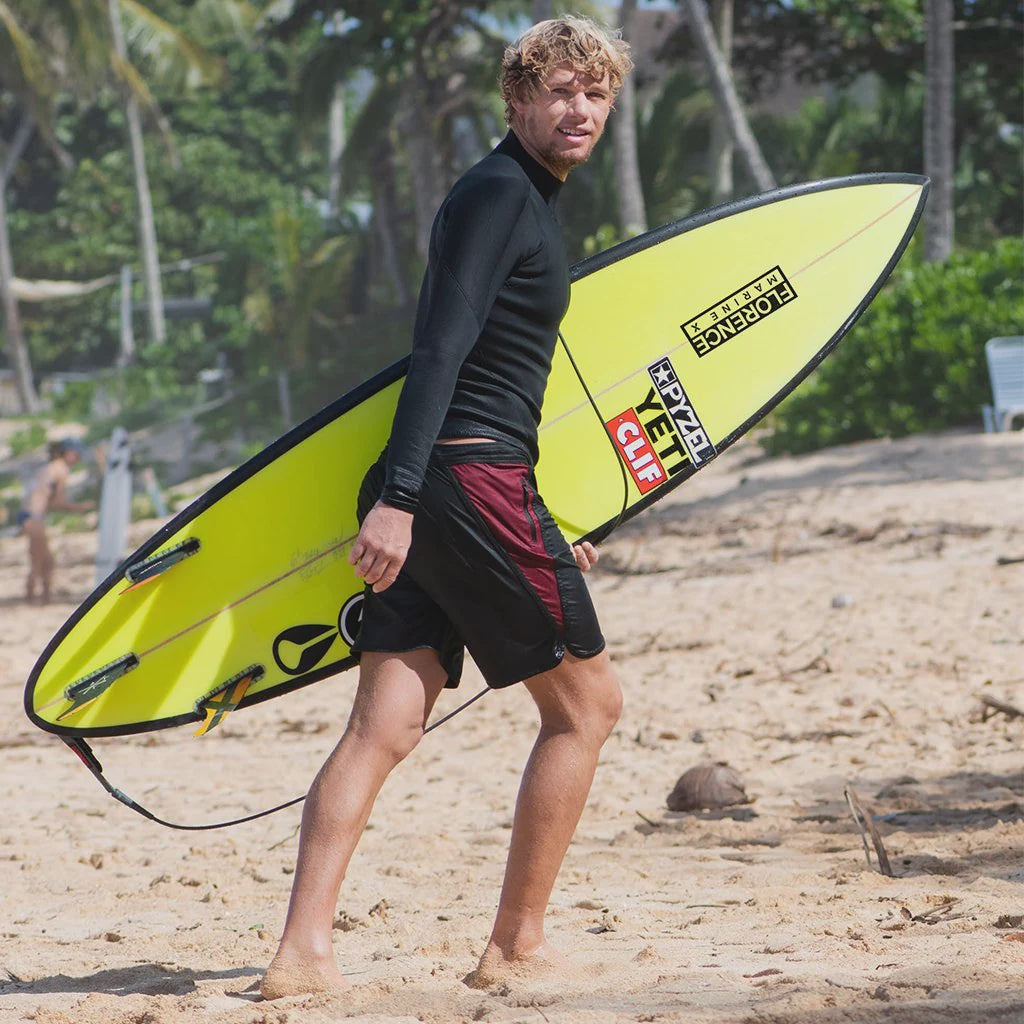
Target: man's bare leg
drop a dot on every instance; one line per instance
(395, 695)
(40, 560)
(47, 565)
(579, 704)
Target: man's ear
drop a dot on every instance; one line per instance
(519, 98)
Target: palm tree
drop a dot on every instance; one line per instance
(170, 54)
(147, 228)
(632, 216)
(430, 72)
(938, 128)
(723, 87)
(17, 349)
(25, 74)
(721, 152)
(74, 45)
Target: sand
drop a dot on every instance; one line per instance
(817, 623)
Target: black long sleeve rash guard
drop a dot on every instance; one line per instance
(495, 290)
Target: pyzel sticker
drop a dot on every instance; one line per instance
(662, 435)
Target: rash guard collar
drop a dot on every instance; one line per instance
(540, 177)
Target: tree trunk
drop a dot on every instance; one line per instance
(938, 129)
(632, 216)
(725, 95)
(335, 148)
(17, 348)
(385, 227)
(147, 228)
(720, 157)
(126, 356)
(421, 160)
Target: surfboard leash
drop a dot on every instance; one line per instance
(85, 753)
(87, 756)
(613, 525)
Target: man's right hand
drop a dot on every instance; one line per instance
(382, 545)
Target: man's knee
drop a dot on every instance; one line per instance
(608, 704)
(581, 696)
(393, 741)
(402, 741)
(395, 695)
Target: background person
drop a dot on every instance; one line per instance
(48, 493)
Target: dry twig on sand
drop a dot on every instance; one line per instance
(867, 827)
(993, 706)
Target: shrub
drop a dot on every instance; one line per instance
(915, 361)
(31, 437)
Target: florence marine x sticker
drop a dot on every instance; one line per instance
(739, 311)
(300, 649)
(661, 435)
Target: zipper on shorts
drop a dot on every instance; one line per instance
(528, 511)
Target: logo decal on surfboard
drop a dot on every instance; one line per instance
(688, 425)
(661, 435)
(636, 451)
(739, 311)
(300, 649)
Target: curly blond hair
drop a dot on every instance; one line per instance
(579, 42)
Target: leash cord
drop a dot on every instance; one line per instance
(85, 753)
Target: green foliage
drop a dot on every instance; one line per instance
(844, 134)
(915, 361)
(239, 163)
(245, 177)
(674, 163)
(29, 438)
(884, 23)
(74, 400)
(877, 48)
(603, 238)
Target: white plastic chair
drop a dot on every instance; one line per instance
(1005, 358)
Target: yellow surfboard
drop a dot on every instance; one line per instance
(674, 345)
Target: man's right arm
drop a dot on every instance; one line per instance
(474, 252)
(475, 247)
(382, 545)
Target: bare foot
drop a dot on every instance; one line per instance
(495, 968)
(298, 977)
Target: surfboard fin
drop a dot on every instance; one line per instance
(222, 701)
(87, 689)
(150, 568)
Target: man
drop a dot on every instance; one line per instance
(456, 546)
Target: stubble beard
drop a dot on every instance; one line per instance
(562, 163)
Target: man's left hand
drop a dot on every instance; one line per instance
(586, 555)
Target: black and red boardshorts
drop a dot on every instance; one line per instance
(488, 570)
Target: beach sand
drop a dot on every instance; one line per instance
(817, 623)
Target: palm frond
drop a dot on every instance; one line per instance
(25, 66)
(174, 53)
(224, 18)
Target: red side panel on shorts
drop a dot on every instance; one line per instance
(504, 500)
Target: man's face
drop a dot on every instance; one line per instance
(561, 124)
